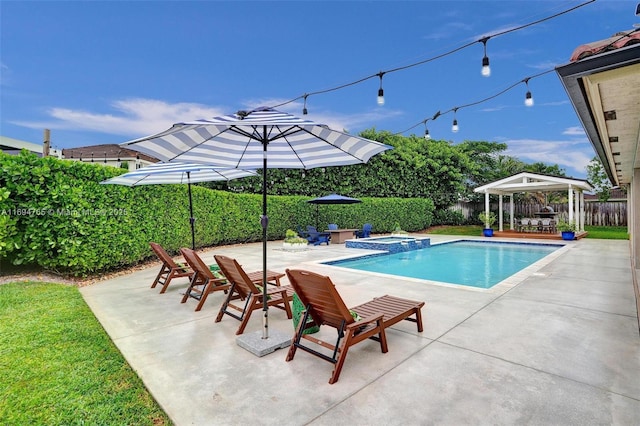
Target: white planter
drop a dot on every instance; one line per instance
(294, 246)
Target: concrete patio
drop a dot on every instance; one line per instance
(559, 347)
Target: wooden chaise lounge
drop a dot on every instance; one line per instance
(202, 277)
(243, 288)
(169, 269)
(324, 306)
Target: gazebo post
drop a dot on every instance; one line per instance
(570, 197)
(486, 206)
(582, 213)
(511, 212)
(500, 213)
(577, 208)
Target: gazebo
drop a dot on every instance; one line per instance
(532, 182)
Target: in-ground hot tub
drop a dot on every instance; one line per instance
(392, 244)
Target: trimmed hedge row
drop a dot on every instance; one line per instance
(56, 214)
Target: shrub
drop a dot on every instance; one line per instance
(448, 217)
(57, 215)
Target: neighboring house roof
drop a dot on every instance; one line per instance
(109, 151)
(533, 182)
(616, 194)
(14, 146)
(604, 88)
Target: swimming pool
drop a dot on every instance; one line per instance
(470, 263)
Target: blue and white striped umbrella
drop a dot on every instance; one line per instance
(178, 173)
(259, 139)
(242, 139)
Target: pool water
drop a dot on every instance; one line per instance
(470, 263)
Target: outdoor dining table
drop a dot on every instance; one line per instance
(339, 236)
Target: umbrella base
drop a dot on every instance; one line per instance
(254, 343)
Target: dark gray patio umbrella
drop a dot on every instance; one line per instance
(332, 199)
(259, 139)
(178, 173)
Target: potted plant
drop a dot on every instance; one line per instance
(397, 231)
(294, 242)
(488, 220)
(567, 229)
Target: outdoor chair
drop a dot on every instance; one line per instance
(332, 226)
(365, 232)
(316, 238)
(203, 277)
(243, 288)
(169, 269)
(549, 225)
(324, 306)
(535, 225)
(522, 224)
(301, 232)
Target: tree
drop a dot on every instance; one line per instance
(599, 179)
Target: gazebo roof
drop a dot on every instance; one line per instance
(532, 182)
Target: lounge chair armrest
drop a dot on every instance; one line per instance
(366, 320)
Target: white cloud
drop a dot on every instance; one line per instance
(572, 155)
(574, 131)
(136, 117)
(132, 117)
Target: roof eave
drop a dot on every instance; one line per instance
(571, 77)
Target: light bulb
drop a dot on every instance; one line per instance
(528, 100)
(380, 97)
(486, 69)
(454, 128)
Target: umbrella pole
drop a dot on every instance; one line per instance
(192, 219)
(264, 221)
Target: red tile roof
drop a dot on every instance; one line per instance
(616, 41)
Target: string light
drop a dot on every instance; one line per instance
(427, 135)
(380, 91)
(528, 99)
(486, 69)
(304, 108)
(455, 109)
(454, 126)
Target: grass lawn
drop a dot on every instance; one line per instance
(58, 365)
(604, 232)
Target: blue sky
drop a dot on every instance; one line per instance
(108, 72)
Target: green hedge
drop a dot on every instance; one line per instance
(57, 215)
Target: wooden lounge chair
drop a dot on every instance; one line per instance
(243, 288)
(203, 277)
(324, 306)
(169, 269)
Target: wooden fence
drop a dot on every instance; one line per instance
(612, 213)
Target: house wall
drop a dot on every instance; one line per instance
(634, 238)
